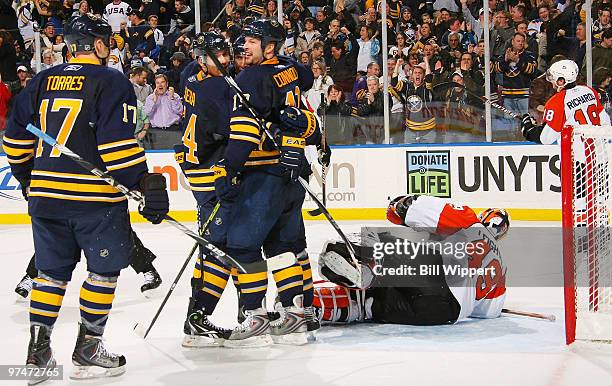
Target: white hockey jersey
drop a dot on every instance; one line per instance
(480, 295)
(115, 14)
(580, 105)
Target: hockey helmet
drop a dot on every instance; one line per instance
(266, 30)
(82, 31)
(209, 40)
(238, 46)
(563, 69)
(497, 220)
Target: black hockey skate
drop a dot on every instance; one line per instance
(152, 281)
(40, 355)
(312, 321)
(24, 287)
(92, 360)
(201, 332)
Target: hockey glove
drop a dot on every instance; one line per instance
(301, 122)
(227, 183)
(156, 203)
(529, 129)
(25, 188)
(324, 155)
(397, 209)
(292, 157)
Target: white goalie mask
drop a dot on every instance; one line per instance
(563, 69)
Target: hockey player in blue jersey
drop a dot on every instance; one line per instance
(208, 105)
(267, 201)
(89, 108)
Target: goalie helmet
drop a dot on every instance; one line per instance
(208, 40)
(496, 220)
(266, 30)
(563, 69)
(82, 31)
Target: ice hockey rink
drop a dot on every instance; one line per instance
(510, 350)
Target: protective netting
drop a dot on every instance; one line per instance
(591, 165)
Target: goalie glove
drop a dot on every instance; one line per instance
(529, 129)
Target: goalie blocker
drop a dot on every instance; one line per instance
(433, 299)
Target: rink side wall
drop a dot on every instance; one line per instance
(524, 178)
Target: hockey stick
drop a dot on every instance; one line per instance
(137, 196)
(445, 85)
(535, 315)
(262, 123)
(324, 168)
(144, 334)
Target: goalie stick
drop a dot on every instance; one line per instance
(446, 85)
(262, 123)
(324, 168)
(137, 196)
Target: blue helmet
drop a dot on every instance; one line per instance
(82, 31)
(266, 30)
(209, 40)
(238, 46)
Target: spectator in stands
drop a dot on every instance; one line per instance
(540, 91)
(372, 108)
(475, 23)
(454, 28)
(25, 23)
(361, 86)
(442, 22)
(47, 60)
(321, 84)
(419, 122)
(451, 54)
(183, 20)
(140, 34)
(164, 109)
(48, 42)
(178, 61)
(23, 76)
(517, 13)
(335, 113)
(369, 48)
(5, 98)
(83, 8)
(473, 79)
(532, 43)
(516, 69)
(138, 77)
(116, 13)
(158, 35)
(270, 10)
(8, 56)
(544, 16)
(602, 23)
(304, 58)
(406, 21)
(306, 39)
(601, 81)
(602, 53)
(501, 33)
(342, 61)
(401, 49)
(317, 53)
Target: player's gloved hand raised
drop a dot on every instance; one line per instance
(302, 122)
(397, 209)
(527, 122)
(227, 182)
(292, 157)
(156, 203)
(529, 129)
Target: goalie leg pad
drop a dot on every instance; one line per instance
(334, 305)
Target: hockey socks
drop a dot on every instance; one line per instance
(211, 278)
(96, 300)
(46, 300)
(304, 262)
(289, 283)
(253, 288)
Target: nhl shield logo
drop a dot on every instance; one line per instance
(104, 252)
(218, 221)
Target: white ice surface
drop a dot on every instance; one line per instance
(506, 351)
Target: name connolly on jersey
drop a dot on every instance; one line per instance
(285, 77)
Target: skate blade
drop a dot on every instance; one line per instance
(152, 293)
(36, 380)
(91, 372)
(195, 341)
(251, 342)
(293, 339)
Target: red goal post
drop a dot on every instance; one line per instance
(586, 179)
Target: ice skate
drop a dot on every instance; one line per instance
(152, 281)
(40, 355)
(201, 332)
(92, 360)
(254, 331)
(23, 288)
(312, 323)
(291, 327)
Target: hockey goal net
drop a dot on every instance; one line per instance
(586, 164)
